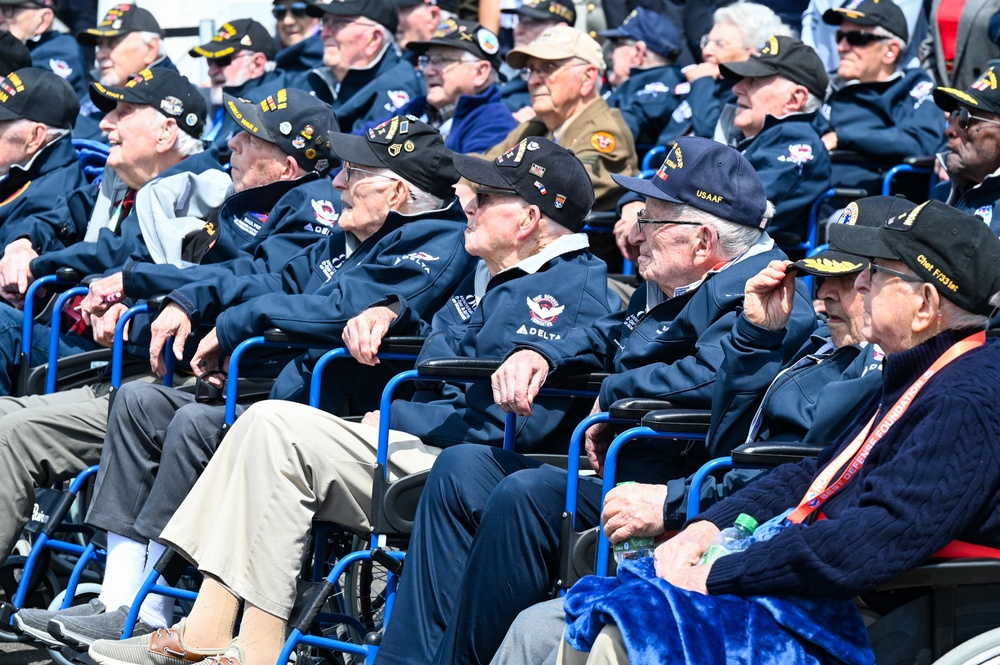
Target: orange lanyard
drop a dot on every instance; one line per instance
(821, 490)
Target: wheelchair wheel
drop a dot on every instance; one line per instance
(981, 650)
(365, 588)
(42, 588)
(84, 594)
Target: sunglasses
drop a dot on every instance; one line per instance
(964, 118)
(298, 10)
(859, 37)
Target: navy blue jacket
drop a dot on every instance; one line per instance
(886, 121)
(794, 166)
(31, 198)
(365, 95)
(113, 248)
(982, 199)
(60, 54)
(514, 94)
(647, 99)
(514, 310)
(299, 59)
(708, 97)
(479, 123)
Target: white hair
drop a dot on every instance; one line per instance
(420, 199)
(757, 23)
(148, 37)
(882, 32)
(734, 239)
(956, 317)
(185, 145)
(53, 134)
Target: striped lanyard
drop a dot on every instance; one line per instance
(821, 490)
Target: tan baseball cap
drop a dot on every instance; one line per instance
(558, 43)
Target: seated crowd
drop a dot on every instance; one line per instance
(374, 169)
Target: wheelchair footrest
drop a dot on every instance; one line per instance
(381, 557)
(309, 600)
(7, 610)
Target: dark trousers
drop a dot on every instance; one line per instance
(485, 546)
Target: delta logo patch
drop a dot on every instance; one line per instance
(60, 68)
(544, 310)
(798, 154)
(325, 213)
(397, 99)
(420, 258)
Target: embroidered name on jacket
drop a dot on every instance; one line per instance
(465, 305)
(250, 223)
(329, 268)
(420, 258)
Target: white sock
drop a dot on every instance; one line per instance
(156, 610)
(123, 573)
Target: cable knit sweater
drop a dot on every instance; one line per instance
(932, 479)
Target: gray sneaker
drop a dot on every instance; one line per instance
(164, 646)
(81, 632)
(35, 622)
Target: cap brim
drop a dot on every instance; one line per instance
(7, 114)
(480, 171)
(831, 263)
(106, 99)
(335, 8)
(90, 36)
(247, 115)
(613, 33)
(752, 68)
(948, 99)
(518, 56)
(354, 149)
(206, 50)
(531, 13)
(863, 241)
(644, 187)
(838, 15)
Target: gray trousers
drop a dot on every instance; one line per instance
(158, 442)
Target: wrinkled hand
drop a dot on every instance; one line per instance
(363, 334)
(701, 70)
(693, 578)
(371, 419)
(517, 382)
(633, 510)
(15, 273)
(596, 442)
(103, 326)
(206, 358)
(830, 140)
(525, 114)
(770, 296)
(172, 321)
(623, 227)
(685, 549)
(102, 296)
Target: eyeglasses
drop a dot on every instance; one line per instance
(876, 268)
(298, 10)
(641, 220)
(964, 118)
(439, 61)
(859, 37)
(482, 192)
(548, 70)
(227, 60)
(717, 43)
(10, 10)
(351, 169)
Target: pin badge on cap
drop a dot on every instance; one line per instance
(285, 128)
(191, 119)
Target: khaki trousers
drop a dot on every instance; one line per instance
(609, 649)
(247, 519)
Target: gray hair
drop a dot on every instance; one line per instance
(882, 32)
(53, 134)
(148, 37)
(734, 239)
(956, 317)
(812, 103)
(185, 145)
(420, 199)
(757, 23)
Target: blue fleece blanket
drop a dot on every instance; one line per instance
(662, 623)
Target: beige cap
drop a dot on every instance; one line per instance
(557, 43)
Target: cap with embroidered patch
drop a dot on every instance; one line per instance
(542, 173)
(653, 28)
(871, 211)
(120, 19)
(884, 13)
(707, 175)
(786, 57)
(955, 251)
(243, 34)
(39, 95)
(13, 53)
(166, 90)
(383, 12)
(545, 10)
(559, 42)
(983, 94)
(410, 148)
(465, 35)
(295, 121)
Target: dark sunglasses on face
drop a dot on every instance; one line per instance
(298, 10)
(859, 37)
(965, 118)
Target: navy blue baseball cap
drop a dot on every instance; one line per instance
(659, 34)
(707, 175)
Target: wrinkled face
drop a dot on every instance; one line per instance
(862, 63)
(417, 23)
(666, 250)
(14, 138)
(22, 21)
(975, 150)
(294, 25)
(528, 29)
(449, 75)
(363, 198)
(232, 70)
(133, 131)
(890, 304)
(757, 98)
(120, 58)
(255, 162)
(345, 39)
(845, 308)
(725, 44)
(493, 218)
(555, 86)
(624, 56)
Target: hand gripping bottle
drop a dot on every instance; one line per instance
(635, 547)
(733, 539)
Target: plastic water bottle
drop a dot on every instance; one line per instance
(733, 539)
(636, 547)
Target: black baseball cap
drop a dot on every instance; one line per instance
(540, 172)
(410, 148)
(786, 57)
(884, 13)
(13, 53)
(465, 35)
(953, 250)
(414, 3)
(51, 4)
(707, 175)
(383, 12)
(545, 10)
(871, 211)
(982, 94)
(120, 19)
(166, 90)
(656, 30)
(292, 119)
(243, 34)
(39, 95)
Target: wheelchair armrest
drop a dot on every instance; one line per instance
(634, 408)
(71, 275)
(919, 161)
(849, 193)
(601, 219)
(694, 421)
(590, 382)
(773, 454)
(156, 301)
(952, 573)
(471, 368)
(849, 157)
(410, 344)
(279, 336)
